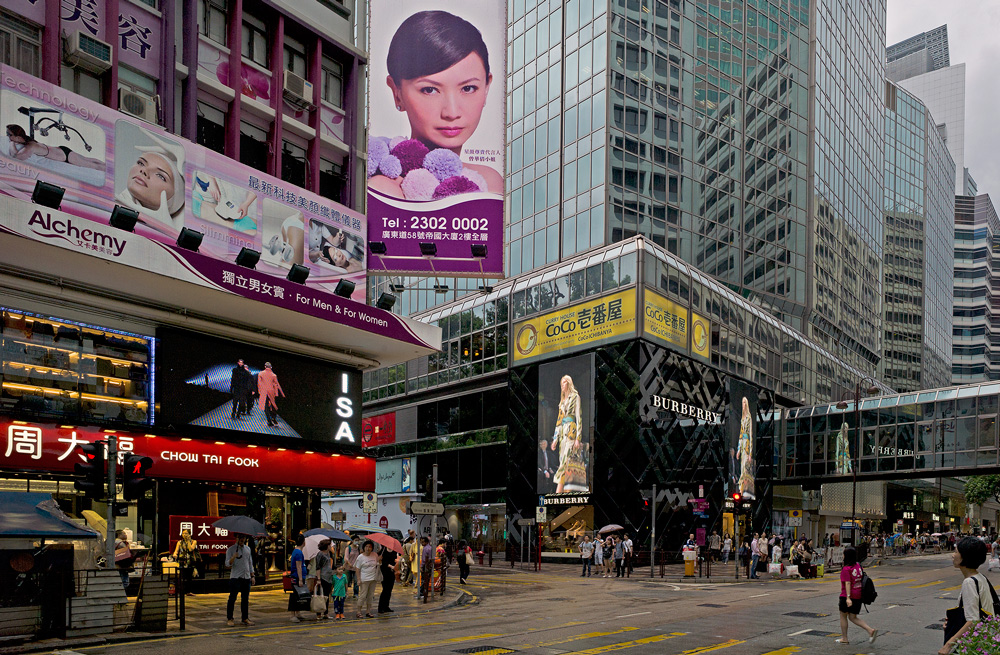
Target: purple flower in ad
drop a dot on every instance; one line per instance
(443, 163)
(411, 154)
(475, 178)
(378, 149)
(419, 184)
(454, 186)
(390, 167)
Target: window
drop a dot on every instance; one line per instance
(82, 83)
(213, 20)
(333, 82)
(253, 146)
(254, 40)
(332, 180)
(293, 164)
(295, 57)
(150, 3)
(135, 81)
(211, 128)
(20, 44)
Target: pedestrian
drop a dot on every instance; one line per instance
(426, 567)
(762, 548)
(389, 567)
(629, 552)
(367, 565)
(350, 555)
(123, 559)
(404, 569)
(323, 570)
(441, 565)
(449, 545)
(727, 547)
(239, 560)
(414, 550)
(715, 546)
(609, 555)
(586, 548)
(185, 554)
(754, 555)
(850, 597)
(339, 593)
(464, 557)
(598, 555)
(977, 592)
(299, 573)
(619, 556)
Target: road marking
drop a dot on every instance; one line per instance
(788, 650)
(444, 642)
(952, 588)
(285, 631)
(708, 649)
(589, 635)
(800, 632)
(889, 584)
(335, 643)
(759, 595)
(625, 616)
(628, 644)
(926, 584)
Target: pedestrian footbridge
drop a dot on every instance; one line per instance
(934, 433)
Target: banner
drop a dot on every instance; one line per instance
(210, 540)
(103, 158)
(665, 320)
(378, 430)
(742, 438)
(565, 419)
(584, 325)
(436, 137)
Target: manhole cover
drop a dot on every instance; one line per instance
(711, 605)
(807, 615)
(486, 650)
(935, 626)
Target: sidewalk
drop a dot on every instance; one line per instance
(206, 613)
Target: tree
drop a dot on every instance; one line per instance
(981, 488)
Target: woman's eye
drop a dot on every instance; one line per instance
(470, 88)
(428, 90)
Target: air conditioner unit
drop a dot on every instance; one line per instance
(298, 92)
(135, 104)
(84, 51)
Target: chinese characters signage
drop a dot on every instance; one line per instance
(378, 430)
(665, 320)
(209, 539)
(587, 324)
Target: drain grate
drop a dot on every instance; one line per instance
(807, 615)
(711, 605)
(486, 650)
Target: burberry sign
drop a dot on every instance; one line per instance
(662, 402)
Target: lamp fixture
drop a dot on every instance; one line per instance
(298, 274)
(428, 249)
(397, 288)
(385, 301)
(479, 250)
(47, 195)
(190, 239)
(248, 258)
(344, 288)
(124, 218)
(377, 247)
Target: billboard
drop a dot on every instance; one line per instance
(742, 438)
(565, 421)
(586, 324)
(701, 336)
(103, 158)
(378, 430)
(436, 136)
(664, 320)
(216, 383)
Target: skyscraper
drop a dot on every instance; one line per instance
(977, 230)
(923, 52)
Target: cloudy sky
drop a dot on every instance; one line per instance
(973, 39)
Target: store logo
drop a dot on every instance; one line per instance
(527, 339)
(663, 402)
(65, 230)
(699, 334)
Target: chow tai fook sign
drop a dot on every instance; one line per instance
(55, 449)
(103, 158)
(577, 327)
(211, 540)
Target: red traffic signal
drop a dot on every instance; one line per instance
(134, 480)
(93, 482)
(737, 496)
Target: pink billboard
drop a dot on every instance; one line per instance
(436, 144)
(103, 158)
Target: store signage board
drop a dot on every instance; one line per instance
(525, 522)
(540, 514)
(210, 539)
(577, 327)
(427, 509)
(54, 449)
(369, 504)
(665, 321)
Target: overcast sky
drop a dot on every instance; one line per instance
(973, 38)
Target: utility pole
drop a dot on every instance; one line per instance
(652, 539)
(112, 459)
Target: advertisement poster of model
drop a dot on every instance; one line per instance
(436, 137)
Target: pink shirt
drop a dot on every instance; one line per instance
(851, 575)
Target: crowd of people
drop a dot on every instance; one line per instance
(603, 553)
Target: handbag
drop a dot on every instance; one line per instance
(955, 617)
(318, 603)
(301, 593)
(123, 554)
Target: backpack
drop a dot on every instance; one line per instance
(868, 593)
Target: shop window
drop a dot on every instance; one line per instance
(254, 46)
(295, 57)
(293, 164)
(332, 180)
(20, 44)
(253, 146)
(333, 82)
(68, 371)
(211, 128)
(213, 20)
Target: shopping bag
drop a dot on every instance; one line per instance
(994, 564)
(774, 568)
(318, 603)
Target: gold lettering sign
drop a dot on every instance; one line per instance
(665, 320)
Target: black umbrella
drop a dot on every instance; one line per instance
(241, 525)
(329, 533)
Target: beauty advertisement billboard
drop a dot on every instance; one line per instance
(102, 158)
(436, 137)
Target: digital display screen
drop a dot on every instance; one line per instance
(216, 383)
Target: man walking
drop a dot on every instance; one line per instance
(586, 554)
(628, 556)
(715, 546)
(239, 384)
(426, 566)
(240, 562)
(269, 390)
(754, 555)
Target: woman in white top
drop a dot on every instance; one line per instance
(727, 547)
(977, 596)
(367, 565)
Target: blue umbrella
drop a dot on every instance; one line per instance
(329, 533)
(241, 525)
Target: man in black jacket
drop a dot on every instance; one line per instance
(239, 386)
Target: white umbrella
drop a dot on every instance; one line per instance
(311, 547)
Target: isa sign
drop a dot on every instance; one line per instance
(436, 144)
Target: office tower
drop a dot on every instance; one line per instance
(977, 229)
(921, 53)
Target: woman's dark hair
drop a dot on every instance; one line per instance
(463, 544)
(429, 42)
(973, 552)
(850, 556)
(300, 539)
(323, 545)
(368, 542)
(18, 131)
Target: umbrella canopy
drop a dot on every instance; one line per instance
(610, 527)
(389, 542)
(329, 533)
(241, 525)
(311, 546)
(37, 516)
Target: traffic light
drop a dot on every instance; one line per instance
(646, 505)
(134, 480)
(737, 496)
(94, 480)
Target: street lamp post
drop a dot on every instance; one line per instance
(856, 457)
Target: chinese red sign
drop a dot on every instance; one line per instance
(210, 540)
(378, 430)
(51, 448)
